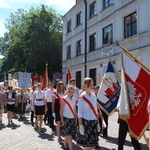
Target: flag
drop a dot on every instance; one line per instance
(109, 90)
(69, 74)
(137, 81)
(24, 80)
(123, 102)
(45, 79)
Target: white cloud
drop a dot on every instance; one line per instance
(4, 4)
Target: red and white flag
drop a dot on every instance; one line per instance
(45, 79)
(69, 74)
(137, 81)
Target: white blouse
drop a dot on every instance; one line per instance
(67, 112)
(39, 95)
(48, 94)
(84, 110)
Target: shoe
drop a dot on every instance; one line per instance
(41, 132)
(60, 141)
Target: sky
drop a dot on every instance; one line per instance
(10, 6)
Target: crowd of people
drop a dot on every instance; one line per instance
(75, 112)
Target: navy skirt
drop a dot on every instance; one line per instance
(69, 127)
(90, 137)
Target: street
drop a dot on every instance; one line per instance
(22, 136)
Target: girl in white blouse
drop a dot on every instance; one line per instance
(40, 106)
(68, 116)
(88, 134)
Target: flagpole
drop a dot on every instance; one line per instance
(134, 58)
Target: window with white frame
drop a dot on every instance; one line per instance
(130, 25)
(92, 73)
(78, 44)
(107, 3)
(92, 9)
(78, 79)
(92, 42)
(69, 52)
(79, 20)
(69, 26)
(107, 34)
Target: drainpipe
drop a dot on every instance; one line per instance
(85, 67)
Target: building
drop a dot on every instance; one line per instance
(90, 30)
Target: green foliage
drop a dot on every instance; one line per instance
(34, 39)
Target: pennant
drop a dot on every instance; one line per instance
(45, 79)
(24, 80)
(69, 74)
(109, 90)
(137, 81)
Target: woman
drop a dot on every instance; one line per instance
(1, 105)
(21, 104)
(40, 106)
(31, 98)
(11, 100)
(56, 99)
(68, 116)
(88, 120)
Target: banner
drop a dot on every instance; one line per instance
(109, 90)
(24, 80)
(69, 74)
(45, 79)
(137, 81)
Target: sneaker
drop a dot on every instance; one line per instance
(41, 132)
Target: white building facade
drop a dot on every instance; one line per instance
(90, 31)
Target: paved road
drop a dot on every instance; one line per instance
(22, 136)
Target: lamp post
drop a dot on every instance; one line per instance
(85, 67)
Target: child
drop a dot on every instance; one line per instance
(68, 116)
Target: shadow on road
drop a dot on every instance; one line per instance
(2, 126)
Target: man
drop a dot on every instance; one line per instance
(76, 92)
(48, 97)
(31, 104)
(123, 129)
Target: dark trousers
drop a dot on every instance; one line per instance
(49, 115)
(123, 129)
(32, 116)
(105, 116)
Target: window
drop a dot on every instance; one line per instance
(79, 48)
(107, 3)
(79, 19)
(93, 75)
(130, 25)
(78, 79)
(69, 52)
(66, 78)
(92, 9)
(107, 35)
(93, 42)
(69, 26)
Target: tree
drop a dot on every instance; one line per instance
(34, 39)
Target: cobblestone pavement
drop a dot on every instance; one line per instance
(22, 136)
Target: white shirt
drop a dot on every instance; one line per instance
(39, 95)
(31, 97)
(67, 112)
(84, 109)
(48, 94)
(76, 93)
